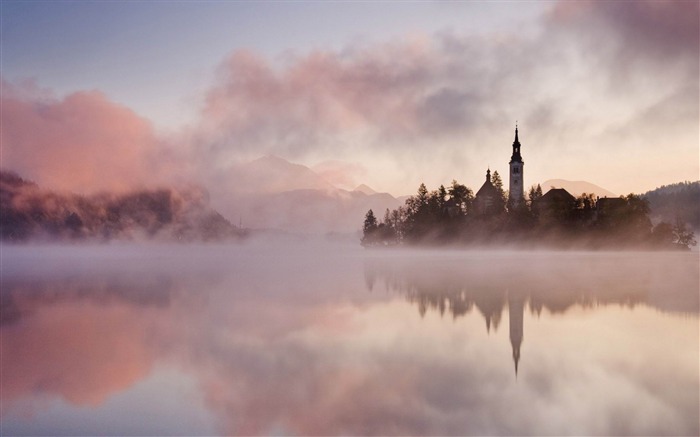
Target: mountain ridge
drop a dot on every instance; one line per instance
(576, 188)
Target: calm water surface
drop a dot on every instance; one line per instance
(324, 338)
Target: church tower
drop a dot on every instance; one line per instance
(516, 191)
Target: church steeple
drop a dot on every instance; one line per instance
(515, 157)
(516, 192)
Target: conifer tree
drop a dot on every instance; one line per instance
(498, 184)
(369, 229)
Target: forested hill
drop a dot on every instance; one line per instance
(33, 213)
(680, 200)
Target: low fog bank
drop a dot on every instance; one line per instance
(557, 279)
(156, 256)
(454, 280)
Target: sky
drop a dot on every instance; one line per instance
(109, 95)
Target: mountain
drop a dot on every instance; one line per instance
(362, 188)
(272, 174)
(680, 200)
(307, 211)
(576, 188)
(273, 193)
(30, 213)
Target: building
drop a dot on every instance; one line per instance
(608, 207)
(488, 200)
(556, 205)
(516, 191)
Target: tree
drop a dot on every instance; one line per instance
(637, 214)
(370, 222)
(498, 184)
(369, 230)
(422, 195)
(683, 235)
(533, 194)
(387, 217)
(386, 230)
(586, 202)
(441, 200)
(398, 217)
(418, 214)
(462, 196)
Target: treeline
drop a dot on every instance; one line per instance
(32, 213)
(449, 216)
(681, 200)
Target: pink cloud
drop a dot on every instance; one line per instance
(83, 142)
(375, 91)
(341, 174)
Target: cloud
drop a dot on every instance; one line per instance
(83, 142)
(583, 69)
(341, 174)
(425, 108)
(651, 30)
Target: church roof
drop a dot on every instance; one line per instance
(487, 189)
(555, 195)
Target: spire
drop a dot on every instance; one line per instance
(488, 175)
(516, 147)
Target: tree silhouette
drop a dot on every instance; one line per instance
(462, 197)
(683, 235)
(445, 216)
(500, 203)
(534, 193)
(369, 229)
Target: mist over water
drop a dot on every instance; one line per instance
(312, 337)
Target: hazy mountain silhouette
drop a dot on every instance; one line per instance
(273, 193)
(576, 187)
(307, 211)
(362, 188)
(272, 174)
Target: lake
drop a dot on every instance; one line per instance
(312, 337)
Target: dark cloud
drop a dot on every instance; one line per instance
(656, 36)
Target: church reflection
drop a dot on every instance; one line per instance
(455, 286)
(516, 307)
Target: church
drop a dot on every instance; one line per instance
(488, 200)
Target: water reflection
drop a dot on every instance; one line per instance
(491, 282)
(310, 341)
